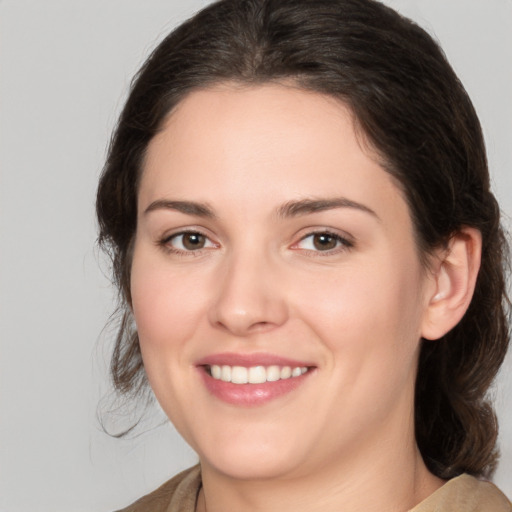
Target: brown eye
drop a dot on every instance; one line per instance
(324, 241)
(188, 242)
(193, 241)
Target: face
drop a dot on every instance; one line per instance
(276, 285)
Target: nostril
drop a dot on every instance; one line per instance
(244, 306)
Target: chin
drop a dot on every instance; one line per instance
(251, 462)
(252, 468)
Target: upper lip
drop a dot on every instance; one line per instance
(248, 360)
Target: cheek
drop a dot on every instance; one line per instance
(166, 308)
(371, 309)
(166, 305)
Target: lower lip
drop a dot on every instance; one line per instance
(251, 394)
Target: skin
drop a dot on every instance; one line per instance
(344, 439)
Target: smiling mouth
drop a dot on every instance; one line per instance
(254, 374)
(250, 380)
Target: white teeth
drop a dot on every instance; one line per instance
(286, 372)
(255, 374)
(239, 375)
(226, 373)
(296, 372)
(273, 373)
(216, 371)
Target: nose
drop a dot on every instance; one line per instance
(250, 296)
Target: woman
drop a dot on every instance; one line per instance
(310, 260)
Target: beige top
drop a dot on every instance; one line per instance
(462, 494)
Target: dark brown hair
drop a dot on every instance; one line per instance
(413, 111)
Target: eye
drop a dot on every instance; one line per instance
(188, 241)
(323, 242)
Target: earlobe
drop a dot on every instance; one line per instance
(453, 282)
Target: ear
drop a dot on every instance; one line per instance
(454, 272)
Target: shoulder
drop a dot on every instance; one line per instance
(466, 494)
(179, 493)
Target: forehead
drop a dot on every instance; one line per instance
(272, 113)
(255, 144)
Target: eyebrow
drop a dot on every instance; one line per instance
(289, 209)
(187, 207)
(307, 206)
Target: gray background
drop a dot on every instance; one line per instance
(65, 66)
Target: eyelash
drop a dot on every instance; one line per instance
(342, 244)
(165, 243)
